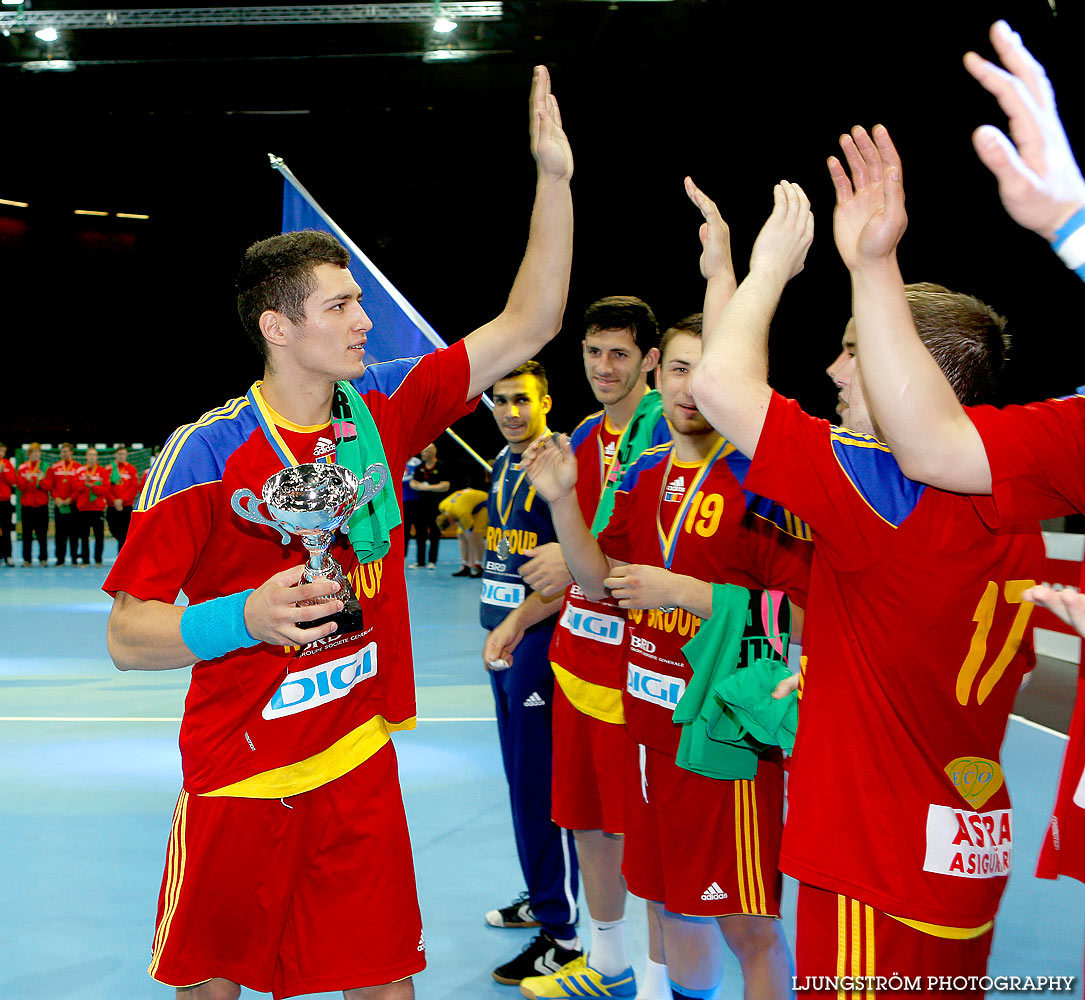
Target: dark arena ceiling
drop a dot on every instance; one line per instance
(415, 142)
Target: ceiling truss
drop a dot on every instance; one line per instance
(211, 17)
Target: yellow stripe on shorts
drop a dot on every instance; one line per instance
(175, 874)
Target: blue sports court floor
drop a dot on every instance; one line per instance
(89, 773)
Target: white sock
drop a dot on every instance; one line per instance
(656, 984)
(607, 953)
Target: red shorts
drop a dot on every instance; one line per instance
(836, 936)
(701, 846)
(313, 895)
(587, 787)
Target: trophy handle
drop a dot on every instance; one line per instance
(376, 476)
(239, 502)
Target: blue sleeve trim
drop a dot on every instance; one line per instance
(584, 429)
(385, 377)
(196, 453)
(875, 474)
(661, 433)
(649, 459)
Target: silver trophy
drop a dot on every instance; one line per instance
(312, 501)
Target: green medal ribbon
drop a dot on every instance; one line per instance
(357, 446)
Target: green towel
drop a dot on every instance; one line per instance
(636, 439)
(747, 697)
(728, 714)
(358, 446)
(714, 654)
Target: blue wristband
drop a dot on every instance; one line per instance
(1069, 243)
(215, 628)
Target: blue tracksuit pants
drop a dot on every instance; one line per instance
(523, 695)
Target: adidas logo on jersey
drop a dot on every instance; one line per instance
(608, 451)
(324, 446)
(676, 489)
(713, 892)
(533, 700)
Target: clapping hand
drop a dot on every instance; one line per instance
(1039, 181)
(869, 219)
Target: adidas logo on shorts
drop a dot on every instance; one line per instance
(713, 892)
(422, 942)
(533, 700)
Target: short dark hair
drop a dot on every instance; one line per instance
(277, 273)
(530, 368)
(624, 312)
(692, 324)
(965, 336)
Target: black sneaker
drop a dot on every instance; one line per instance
(476, 571)
(542, 957)
(462, 571)
(516, 914)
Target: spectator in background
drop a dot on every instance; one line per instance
(7, 505)
(410, 500)
(467, 509)
(429, 483)
(92, 496)
(34, 498)
(124, 488)
(61, 483)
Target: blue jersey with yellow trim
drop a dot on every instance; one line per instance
(519, 520)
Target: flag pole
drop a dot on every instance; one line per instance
(279, 164)
(470, 451)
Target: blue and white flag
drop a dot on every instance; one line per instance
(399, 330)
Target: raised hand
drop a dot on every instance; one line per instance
(551, 466)
(549, 144)
(782, 244)
(714, 234)
(1039, 181)
(869, 219)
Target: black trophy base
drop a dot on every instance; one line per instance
(348, 620)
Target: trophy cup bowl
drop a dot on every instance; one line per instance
(312, 501)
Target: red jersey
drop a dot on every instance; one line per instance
(1037, 458)
(7, 478)
(62, 481)
(260, 710)
(126, 489)
(92, 489)
(30, 482)
(695, 519)
(914, 646)
(588, 649)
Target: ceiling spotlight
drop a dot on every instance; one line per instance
(13, 3)
(450, 55)
(47, 34)
(441, 23)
